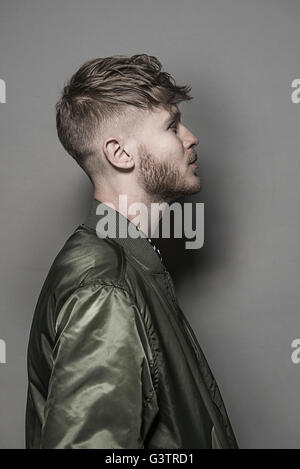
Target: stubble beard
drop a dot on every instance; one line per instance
(162, 180)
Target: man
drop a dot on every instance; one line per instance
(112, 360)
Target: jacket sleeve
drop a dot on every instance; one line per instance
(96, 393)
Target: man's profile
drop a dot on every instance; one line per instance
(112, 360)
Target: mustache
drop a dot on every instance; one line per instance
(193, 157)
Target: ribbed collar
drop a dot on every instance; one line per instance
(139, 247)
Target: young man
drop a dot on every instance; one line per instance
(112, 360)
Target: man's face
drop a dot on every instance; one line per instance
(164, 169)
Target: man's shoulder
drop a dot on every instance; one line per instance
(85, 257)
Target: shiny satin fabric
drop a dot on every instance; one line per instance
(112, 360)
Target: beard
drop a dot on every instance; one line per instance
(163, 180)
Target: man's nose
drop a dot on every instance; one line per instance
(194, 139)
(191, 139)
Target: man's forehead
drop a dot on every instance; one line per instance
(171, 112)
(165, 113)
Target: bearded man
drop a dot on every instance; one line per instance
(112, 359)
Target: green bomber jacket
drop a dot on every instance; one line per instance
(112, 361)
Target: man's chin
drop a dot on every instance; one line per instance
(194, 187)
(181, 192)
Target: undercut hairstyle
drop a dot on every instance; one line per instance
(106, 92)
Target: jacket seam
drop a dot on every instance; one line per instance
(120, 281)
(95, 282)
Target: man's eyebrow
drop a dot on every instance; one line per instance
(174, 117)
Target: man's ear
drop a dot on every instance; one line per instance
(115, 153)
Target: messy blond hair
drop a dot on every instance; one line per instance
(105, 91)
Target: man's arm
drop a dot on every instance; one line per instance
(95, 395)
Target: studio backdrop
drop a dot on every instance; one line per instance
(241, 290)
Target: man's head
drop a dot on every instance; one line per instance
(118, 118)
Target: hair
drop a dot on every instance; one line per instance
(106, 91)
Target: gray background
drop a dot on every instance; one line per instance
(241, 291)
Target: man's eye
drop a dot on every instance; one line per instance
(174, 128)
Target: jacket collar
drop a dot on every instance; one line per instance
(137, 246)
